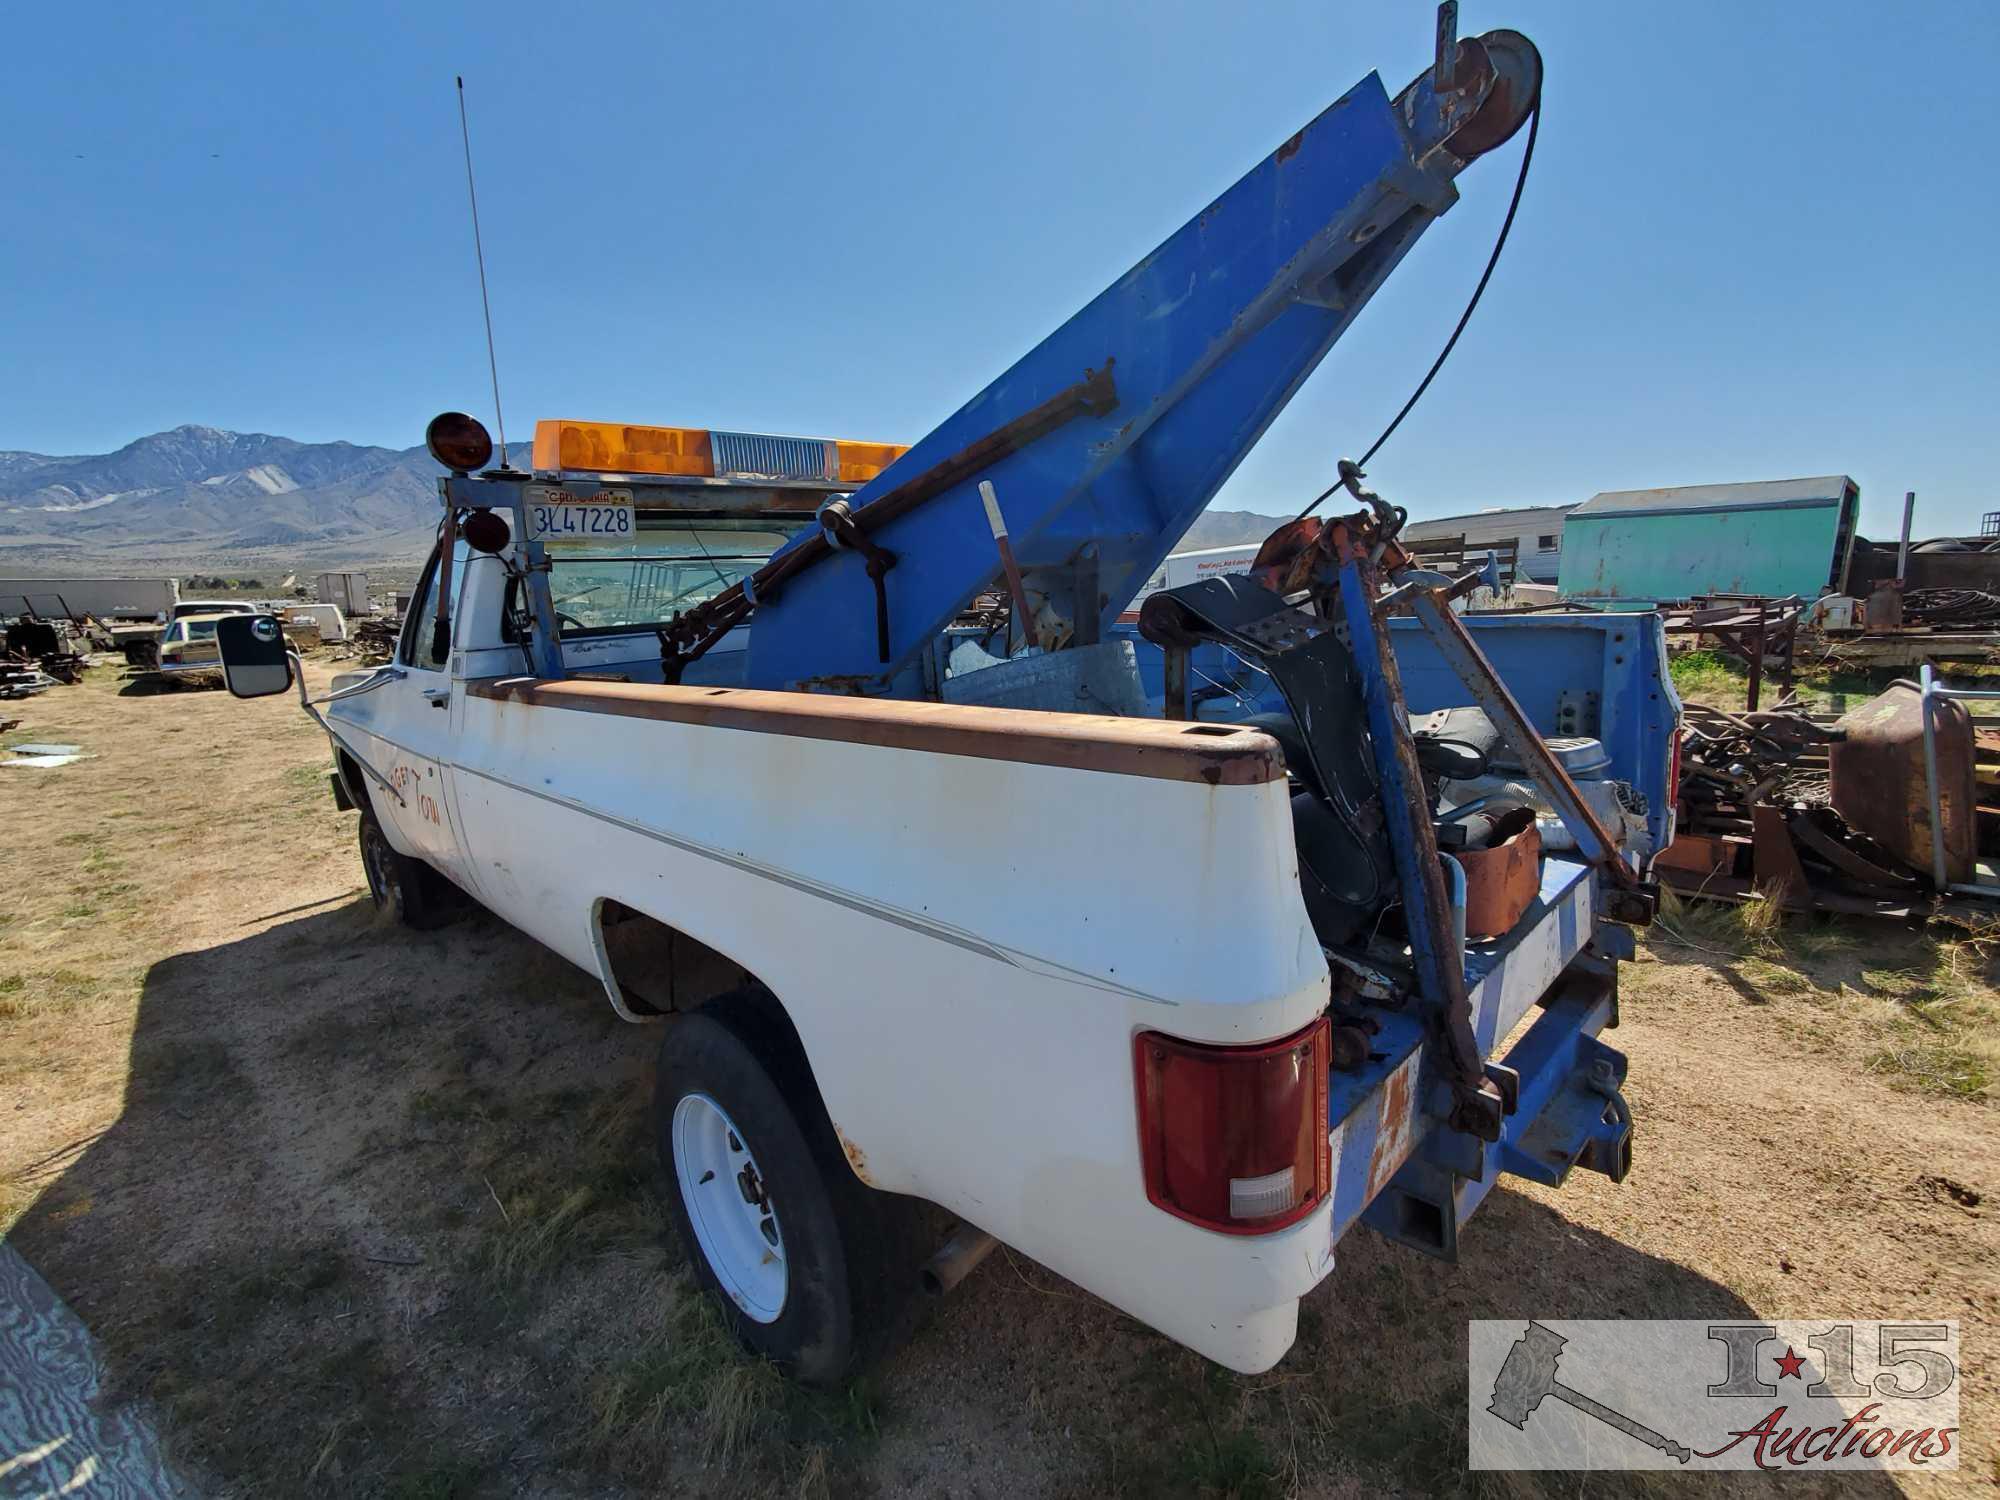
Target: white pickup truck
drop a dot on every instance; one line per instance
(1053, 972)
(947, 888)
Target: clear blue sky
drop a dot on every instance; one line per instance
(1756, 244)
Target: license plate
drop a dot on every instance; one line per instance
(606, 516)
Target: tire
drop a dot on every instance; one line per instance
(844, 1290)
(405, 889)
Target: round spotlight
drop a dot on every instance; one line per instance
(484, 531)
(458, 441)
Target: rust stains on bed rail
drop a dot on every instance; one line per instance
(1215, 754)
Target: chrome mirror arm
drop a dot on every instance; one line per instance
(311, 706)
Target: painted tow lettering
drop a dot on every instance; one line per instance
(408, 782)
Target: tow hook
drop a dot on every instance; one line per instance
(1633, 908)
(1508, 1081)
(1479, 1110)
(1613, 1159)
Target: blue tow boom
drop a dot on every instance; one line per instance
(1105, 442)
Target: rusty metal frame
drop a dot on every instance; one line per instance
(1427, 908)
(1752, 626)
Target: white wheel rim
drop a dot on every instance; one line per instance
(729, 1206)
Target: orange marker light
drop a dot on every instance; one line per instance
(612, 447)
(861, 462)
(620, 448)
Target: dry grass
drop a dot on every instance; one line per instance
(692, 1376)
(374, 1213)
(1951, 1043)
(17, 1195)
(590, 1194)
(1928, 1003)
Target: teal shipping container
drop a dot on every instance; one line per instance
(1777, 537)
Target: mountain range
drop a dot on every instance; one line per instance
(205, 496)
(201, 493)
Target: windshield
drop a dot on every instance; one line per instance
(199, 630)
(673, 562)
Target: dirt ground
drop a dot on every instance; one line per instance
(369, 1212)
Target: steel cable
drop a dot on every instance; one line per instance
(1499, 244)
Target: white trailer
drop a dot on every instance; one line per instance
(1189, 567)
(327, 619)
(106, 599)
(349, 591)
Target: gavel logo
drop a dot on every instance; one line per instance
(1529, 1374)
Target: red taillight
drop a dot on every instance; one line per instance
(1674, 770)
(1234, 1138)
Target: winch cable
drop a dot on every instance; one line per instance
(1499, 244)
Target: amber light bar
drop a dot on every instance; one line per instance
(705, 453)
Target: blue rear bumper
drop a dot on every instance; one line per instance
(1402, 1170)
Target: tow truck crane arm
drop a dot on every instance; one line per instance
(1105, 442)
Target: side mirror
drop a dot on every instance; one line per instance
(254, 660)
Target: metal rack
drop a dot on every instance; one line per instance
(1930, 690)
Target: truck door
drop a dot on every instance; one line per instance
(409, 729)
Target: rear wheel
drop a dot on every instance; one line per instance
(812, 1269)
(729, 1207)
(406, 889)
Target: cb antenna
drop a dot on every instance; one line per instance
(479, 253)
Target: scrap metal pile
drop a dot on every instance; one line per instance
(22, 679)
(1828, 814)
(369, 639)
(1952, 609)
(38, 653)
(375, 635)
(1757, 815)
(1730, 762)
